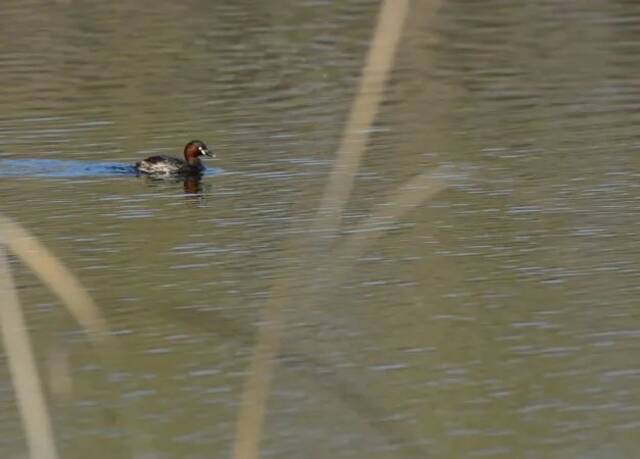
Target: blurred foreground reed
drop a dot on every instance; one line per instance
(26, 381)
(250, 423)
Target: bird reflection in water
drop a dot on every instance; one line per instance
(191, 184)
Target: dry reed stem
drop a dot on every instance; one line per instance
(81, 306)
(55, 276)
(250, 424)
(406, 198)
(28, 388)
(365, 107)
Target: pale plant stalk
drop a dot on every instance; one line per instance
(26, 382)
(405, 199)
(64, 284)
(255, 396)
(364, 110)
(250, 423)
(256, 389)
(55, 276)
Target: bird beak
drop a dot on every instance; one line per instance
(206, 152)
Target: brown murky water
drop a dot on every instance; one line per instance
(499, 320)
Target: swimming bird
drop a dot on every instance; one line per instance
(167, 165)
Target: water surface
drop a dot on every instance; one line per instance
(498, 320)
